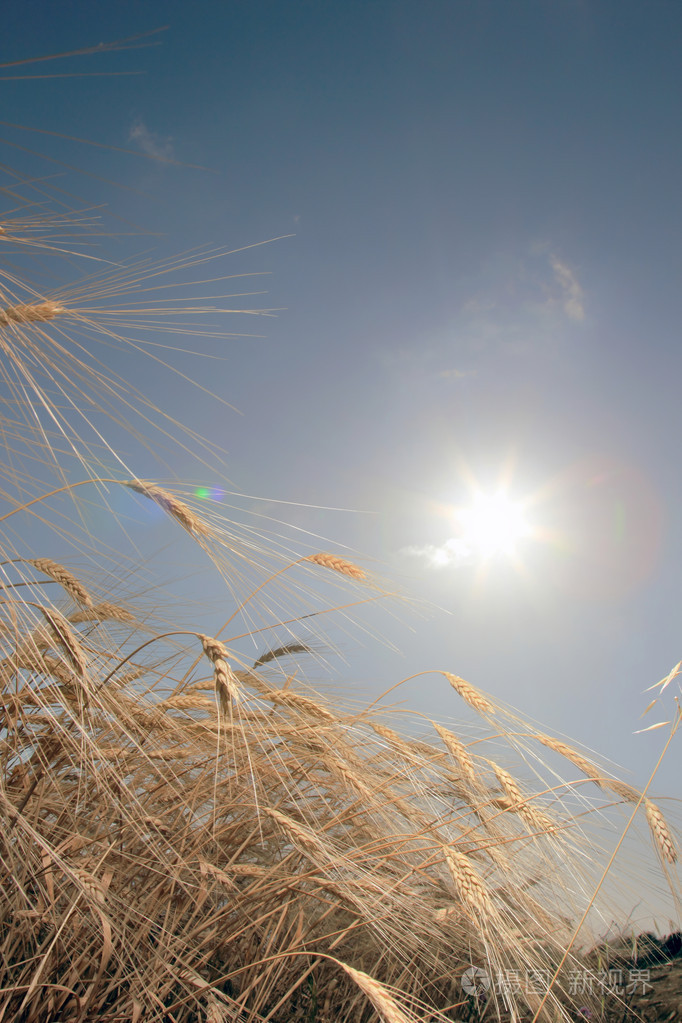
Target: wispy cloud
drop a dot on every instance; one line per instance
(456, 374)
(519, 306)
(572, 293)
(156, 146)
(522, 304)
(452, 552)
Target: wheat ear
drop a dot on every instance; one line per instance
(458, 752)
(471, 888)
(66, 637)
(186, 701)
(470, 694)
(622, 789)
(659, 830)
(104, 611)
(519, 803)
(226, 686)
(93, 888)
(181, 512)
(310, 843)
(281, 651)
(383, 1002)
(288, 698)
(62, 576)
(570, 754)
(337, 565)
(39, 312)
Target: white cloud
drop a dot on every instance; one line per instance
(150, 143)
(521, 305)
(572, 293)
(452, 552)
(456, 374)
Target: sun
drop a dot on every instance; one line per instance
(493, 524)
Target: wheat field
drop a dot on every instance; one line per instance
(188, 833)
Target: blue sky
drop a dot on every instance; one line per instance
(481, 284)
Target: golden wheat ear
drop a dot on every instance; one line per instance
(660, 831)
(177, 509)
(470, 694)
(385, 1004)
(337, 565)
(66, 579)
(40, 312)
(226, 684)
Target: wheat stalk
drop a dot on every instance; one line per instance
(351, 777)
(213, 648)
(43, 664)
(215, 1012)
(217, 873)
